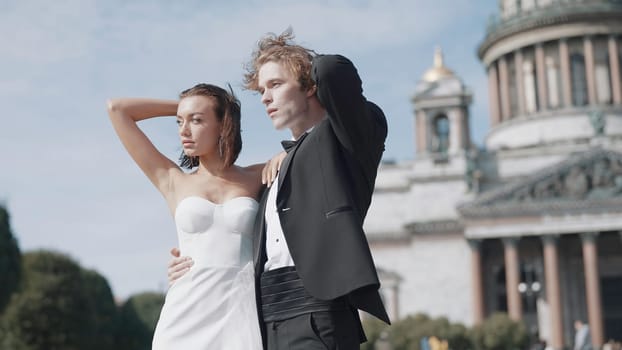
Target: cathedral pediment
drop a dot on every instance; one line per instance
(437, 89)
(587, 181)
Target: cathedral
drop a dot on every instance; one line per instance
(529, 223)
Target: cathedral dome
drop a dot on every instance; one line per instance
(553, 73)
(439, 71)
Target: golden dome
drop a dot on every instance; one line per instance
(439, 71)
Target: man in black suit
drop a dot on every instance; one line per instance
(313, 265)
(312, 259)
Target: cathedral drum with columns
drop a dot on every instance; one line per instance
(530, 224)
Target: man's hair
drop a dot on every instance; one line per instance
(281, 49)
(227, 110)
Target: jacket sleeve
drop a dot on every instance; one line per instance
(360, 125)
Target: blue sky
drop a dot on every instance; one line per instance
(71, 187)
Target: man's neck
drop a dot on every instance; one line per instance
(315, 116)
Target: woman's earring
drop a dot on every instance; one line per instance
(220, 147)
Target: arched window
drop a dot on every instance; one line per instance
(579, 82)
(441, 134)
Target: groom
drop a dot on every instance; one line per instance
(312, 259)
(313, 265)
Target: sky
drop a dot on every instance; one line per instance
(66, 180)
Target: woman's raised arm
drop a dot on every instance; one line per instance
(124, 114)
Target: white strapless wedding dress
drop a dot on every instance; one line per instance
(213, 305)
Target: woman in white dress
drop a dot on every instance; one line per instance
(214, 206)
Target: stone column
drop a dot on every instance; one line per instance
(588, 51)
(454, 131)
(476, 281)
(551, 81)
(520, 86)
(564, 65)
(458, 130)
(512, 278)
(392, 301)
(543, 99)
(504, 88)
(493, 95)
(529, 81)
(592, 288)
(421, 131)
(553, 293)
(614, 70)
(396, 302)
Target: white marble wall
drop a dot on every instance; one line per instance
(391, 210)
(512, 166)
(435, 272)
(545, 130)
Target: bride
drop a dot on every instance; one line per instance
(213, 305)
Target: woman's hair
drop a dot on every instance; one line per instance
(280, 49)
(227, 110)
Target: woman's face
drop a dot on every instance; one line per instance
(199, 128)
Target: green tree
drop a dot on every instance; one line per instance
(10, 260)
(374, 329)
(407, 333)
(51, 310)
(499, 332)
(103, 309)
(137, 320)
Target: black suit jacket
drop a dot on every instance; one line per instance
(325, 188)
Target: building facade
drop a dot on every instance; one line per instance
(531, 222)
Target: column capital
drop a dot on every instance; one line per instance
(549, 239)
(510, 241)
(476, 243)
(589, 237)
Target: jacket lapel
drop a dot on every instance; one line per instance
(288, 159)
(259, 233)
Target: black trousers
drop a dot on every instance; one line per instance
(333, 330)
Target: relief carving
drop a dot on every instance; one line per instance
(576, 183)
(600, 179)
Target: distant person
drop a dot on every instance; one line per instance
(214, 206)
(582, 339)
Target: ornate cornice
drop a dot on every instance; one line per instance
(437, 226)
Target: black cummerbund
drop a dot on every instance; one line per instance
(283, 296)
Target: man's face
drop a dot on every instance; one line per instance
(286, 104)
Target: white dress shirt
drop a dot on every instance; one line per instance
(277, 250)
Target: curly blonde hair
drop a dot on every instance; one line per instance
(280, 48)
